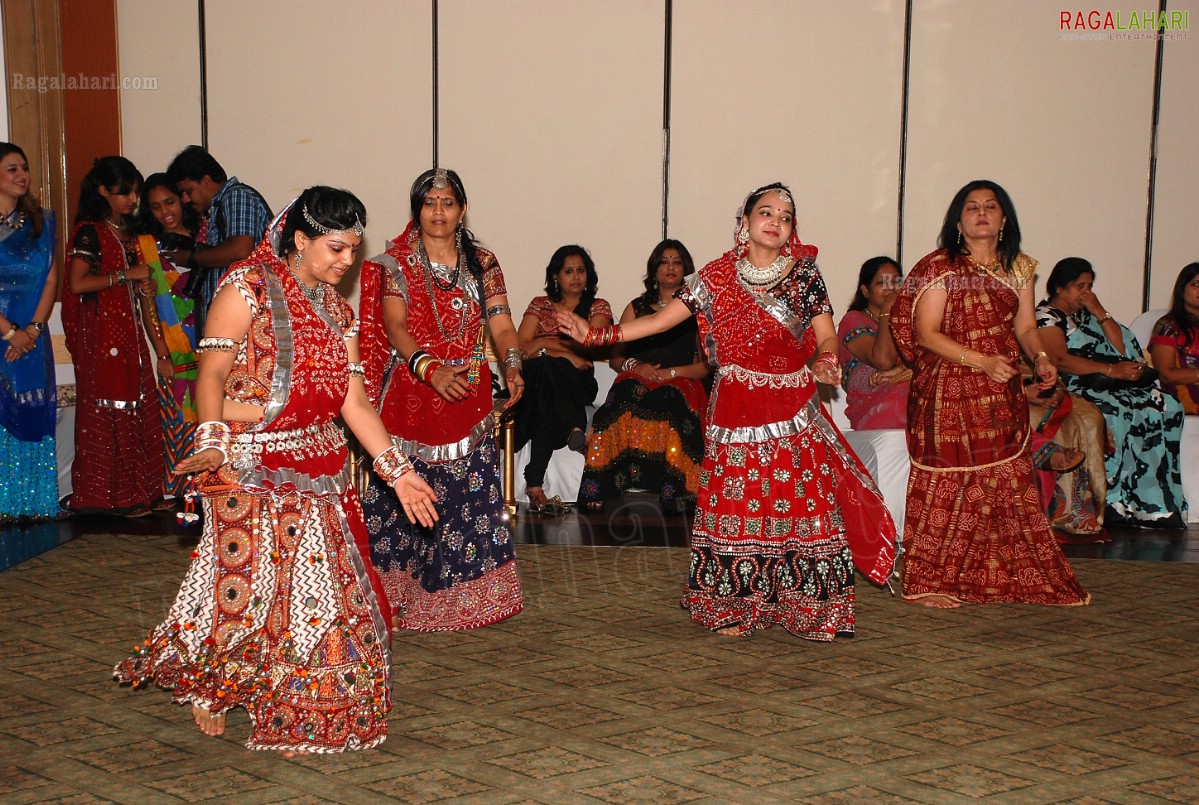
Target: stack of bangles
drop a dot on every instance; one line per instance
(391, 465)
(513, 359)
(629, 364)
(829, 358)
(213, 435)
(421, 363)
(603, 336)
(119, 277)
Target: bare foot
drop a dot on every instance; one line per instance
(207, 722)
(729, 631)
(935, 601)
(290, 753)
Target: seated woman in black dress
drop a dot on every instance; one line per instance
(560, 380)
(649, 433)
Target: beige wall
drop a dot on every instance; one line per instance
(1064, 126)
(814, 103)
(552, 113)
(160, 40)
(1176, 212)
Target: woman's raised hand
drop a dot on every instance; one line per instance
(572, 325)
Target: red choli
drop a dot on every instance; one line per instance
(739, 331)
(411, 409)
(294, 361)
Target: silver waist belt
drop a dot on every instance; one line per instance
(245, 449)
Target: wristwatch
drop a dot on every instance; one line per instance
(40, 326)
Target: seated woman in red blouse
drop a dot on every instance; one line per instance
(1175, 342)
(558, 371)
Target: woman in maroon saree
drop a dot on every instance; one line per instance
(785, 509)
(119, 457)
(975, 530)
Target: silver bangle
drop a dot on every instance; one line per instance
(513, 359)
(629, 364)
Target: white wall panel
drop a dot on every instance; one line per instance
(551, 111)
(803, 92)
(1176, 207)
(318, 92)
(1063, 125)
(159, 52)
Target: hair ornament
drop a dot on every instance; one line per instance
(357, 228)
(441, 179)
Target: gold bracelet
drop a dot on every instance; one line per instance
(962, 359)
(1038, 357)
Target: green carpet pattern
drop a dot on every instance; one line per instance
(603, 691)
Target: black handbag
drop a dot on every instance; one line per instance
(1101, 382)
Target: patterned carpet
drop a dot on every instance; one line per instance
(603, 692)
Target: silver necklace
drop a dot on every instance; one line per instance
(765, 276)
(433, 283)
(313, 294)
(14, 220)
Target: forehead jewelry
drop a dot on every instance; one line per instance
(357, 228)
(441, 179)
(785, 196)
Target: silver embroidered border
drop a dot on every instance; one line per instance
(439, 453)
(284, 346)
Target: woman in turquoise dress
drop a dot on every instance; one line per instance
(1101, 361)
(28, 399)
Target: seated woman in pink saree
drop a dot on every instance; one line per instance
(975, 530)
(876, 384)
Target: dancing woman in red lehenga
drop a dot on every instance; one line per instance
(280, 612)
(428, 304)
(975, 530)
(785, 508)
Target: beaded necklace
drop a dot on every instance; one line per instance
(433, 283)
(13, 221)
(764, 276)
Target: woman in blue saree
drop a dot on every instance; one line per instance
(28, 399)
